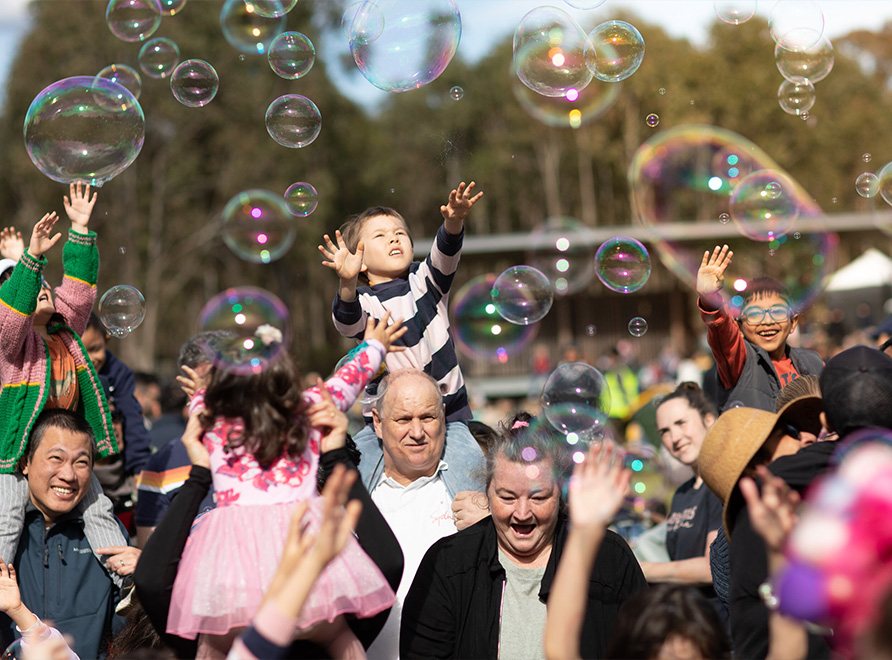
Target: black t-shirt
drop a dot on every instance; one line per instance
(694, 513)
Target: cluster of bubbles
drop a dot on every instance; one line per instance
(159, 57)
(291, 55)
(576, 401)
(293, 121)
(622, 264)
(258, 226)
(121, 309)
(802, 54)
(194, 83)
(255, 325)
(522, 295)
(301, 198)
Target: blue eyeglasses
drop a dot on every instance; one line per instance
(756, 315)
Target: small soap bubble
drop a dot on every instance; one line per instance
(562, 249)
(293, 121)
(172, 7)
(549, 52)
(258, 226)
(255, 329)
(692, 101)
(724, 217)
(833, 200)
(291, 55)
(122, 250)
(797, 235)
(159, 57)
(393, 191)
(270, 8)
(522, 295)
(622, 264)
(796, 97)
(867, 184)
(362, 22)
(735, 12)
(194, 83)
(456, 93)
(865, 157)
(773, 190)
(576, 399)
(591, 330)
(662, 91)
(614, 51)
(638, 327)
(301, 198)
(796, 24)
(124, 75)
(247, 31)
(734, 404)
(133, 20)
(121, 309)
(652, 120)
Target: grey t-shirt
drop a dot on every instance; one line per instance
(522, 631)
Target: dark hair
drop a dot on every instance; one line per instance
(650, 617)
(138, 638)
(806, 385)
(95, 323)
(201, 348)
(523, 433)
(696, 398)
(56, 418)
(484, 434)
(764, 286)
(270, 403)
(351, 230)
(144, 379)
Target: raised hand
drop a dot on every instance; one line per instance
(80, 206)
(339, 517)
(10, 596)
(338, 257)
(386, 334)
(11, 244)
(598, 486)
(42, 238)
(711, 274)
(190, 382)
(773, 513)
(459, 204)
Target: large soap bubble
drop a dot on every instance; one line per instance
(812, 64)
(614, 51)
(522, 295)
(563, 249)
(572, 110)
(884, 182)
(123, 75)
(362, 22)
(416, 44)
(622, 264)
(796, 96)
(796, 24)
(248, 31)
(301, 198)
(122, 309)
(549, 53)
(291, 55)
(84, 129)
(255, 329)
(194, 83)
(270, 8)
(576, 399)
(159, 57)
(257, 226)
(293, 121)
(735, 12)
(133, 20)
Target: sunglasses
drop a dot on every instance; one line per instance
(756, 315)
(791, 430)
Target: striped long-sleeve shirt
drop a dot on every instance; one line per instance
(421, 299)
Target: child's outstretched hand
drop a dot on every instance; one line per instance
(711, 274)
(386, 334)
(459, 204)
(339, 258)
(80, 206)
(11, 244)
(190, 382)
(42, 238)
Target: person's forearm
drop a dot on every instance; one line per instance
(685, 571)
(22, 617)
(347, 290)
(787, 637)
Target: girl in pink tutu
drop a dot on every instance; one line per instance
(264, 436)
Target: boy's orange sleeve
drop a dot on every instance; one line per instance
(727, 344)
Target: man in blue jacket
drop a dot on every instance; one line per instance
(59, 577)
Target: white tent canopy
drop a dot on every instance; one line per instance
(871, 269)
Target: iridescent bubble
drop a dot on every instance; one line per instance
(456, 93)
(159, 57)
(257, 226)
(735, 12)
(362, 22)
(563, 249)
(522, 295)
(479, 331)
(796, 97)
(291, 55)
(812, 64)
(585, 4)
(724, 217)
(301, 198)
(14, 651)
(172, 7)
(84, 129)
(194, 83)
(549, 52)
(576, 399)
(591, 330)
(270, 8)
(884, 182)
(255, 329)
(293, 121)
(614, 51)
(572, 111)
(764, 205)
(734, 404)
(622, 264)
(867, 184)
(416, 45)
(121, 309)
(662, 91)
(637, 327)
(865, 158)
(796, 24)
(247, 31)
(133, 20)
(123, 75)
(652, 120)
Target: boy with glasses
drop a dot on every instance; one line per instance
(752, 356)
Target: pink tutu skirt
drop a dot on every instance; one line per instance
(231, 556)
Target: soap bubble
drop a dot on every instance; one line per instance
(301, 198)
(638, 327)
(812, 64)
(479, 331)
(884, 182)
(796, 97)
(764, 205)
(735, 12)
(652, 120)
(867, 184)
(257, 226)
(549, 52)
(614, 51)
(576, 399)
(522, 295)
(121, 309)
(622, 264)
(293, 121)
(796, 24)
(724, 218)
(270, 8)
(585, 4)
(362, 22)
(172, 7)
(866, 157)
(255, 325)
(415, 46)
(570, 111)
(14, 651)
(133, 20)
(247, 31)
(456, 93)
(159, 57)
(563, 249)
(194, 83)
(123, 75)
(291, 55)
(84, 129)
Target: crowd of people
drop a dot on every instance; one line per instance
(230, 514)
